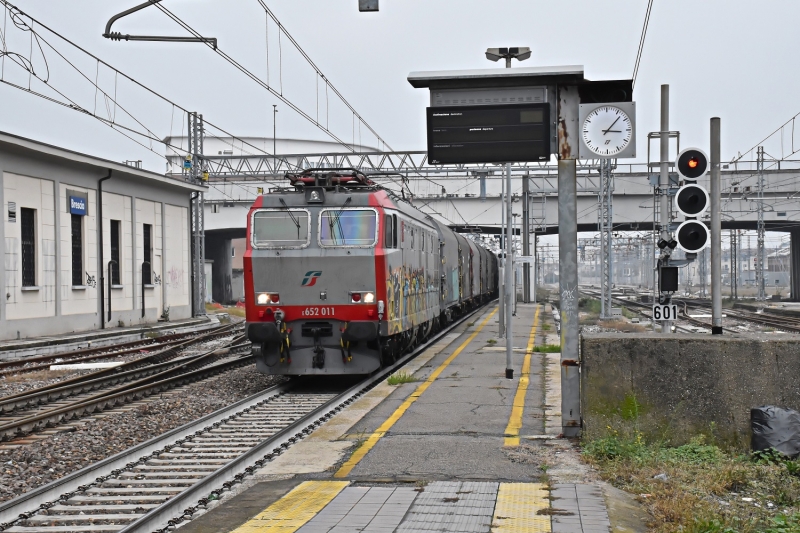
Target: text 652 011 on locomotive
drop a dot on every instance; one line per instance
(342, 276)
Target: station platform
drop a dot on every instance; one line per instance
(459, 449)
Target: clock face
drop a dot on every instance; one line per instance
(607, 131)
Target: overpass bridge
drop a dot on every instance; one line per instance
(467, 198)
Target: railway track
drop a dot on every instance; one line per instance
(765, 318)
(43, 362)
(158, 484)
(26, 412)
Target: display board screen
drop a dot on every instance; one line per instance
(489, 134)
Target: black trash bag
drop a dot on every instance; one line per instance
(775, 427)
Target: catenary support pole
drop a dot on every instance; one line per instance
(663, 183)
(501, 332)
(509, 273)
(568, 281)
(526, 240)
(716, 231)
(568, 138)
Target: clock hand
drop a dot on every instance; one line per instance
(611, 126)
(611, 131)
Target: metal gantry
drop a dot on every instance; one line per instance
(734, 264)
(196, 170)
(605, 215)
(760, 282)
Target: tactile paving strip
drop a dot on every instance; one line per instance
(465, 507)
(517, 507)
(363, 510)
(291, 512)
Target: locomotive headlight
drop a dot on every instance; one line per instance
(369, 297)
(267, 298)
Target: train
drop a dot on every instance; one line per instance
(343, 276)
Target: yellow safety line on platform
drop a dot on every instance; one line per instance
(515, 421)
(387, 425)
(291, 512)
(516, 508)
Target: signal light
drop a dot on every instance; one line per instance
(356, 297)
(693, 236)
(692, 200)
(692, 163)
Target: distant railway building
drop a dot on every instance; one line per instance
(53, 262)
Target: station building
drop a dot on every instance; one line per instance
(72, 222)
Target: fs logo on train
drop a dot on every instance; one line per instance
(311, 278)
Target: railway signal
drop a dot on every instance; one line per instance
(692, 200)
(693, 236)
(692, 163)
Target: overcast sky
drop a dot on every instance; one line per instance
(726, 58)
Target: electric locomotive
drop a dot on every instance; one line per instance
(342, 276)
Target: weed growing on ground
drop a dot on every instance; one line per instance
(699, 487)
(546, 327)
(491, 341)
(399, 378)
(548, 348)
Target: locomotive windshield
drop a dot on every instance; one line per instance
(351, 227)
(273, 229)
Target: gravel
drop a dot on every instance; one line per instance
(31, 466)
(24, 382)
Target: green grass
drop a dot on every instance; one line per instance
(399, 378)
(491, 341)
(546, 327)
(548, 348)
(707, 489)
(589, 305)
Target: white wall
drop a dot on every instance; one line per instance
(35, 194)
(176, 275)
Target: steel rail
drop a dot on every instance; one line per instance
(186, 371)
(79, 384)
(18, 366)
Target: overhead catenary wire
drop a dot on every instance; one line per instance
(278, 94)
(641, 43)
(111, 121)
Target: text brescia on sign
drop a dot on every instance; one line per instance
(77, 205)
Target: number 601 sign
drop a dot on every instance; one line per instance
(665, 312)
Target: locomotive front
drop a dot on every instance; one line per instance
(312, 297)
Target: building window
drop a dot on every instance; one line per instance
(147, 268)
(115, 238)
(77, 249)
(28, 217)
(233, 252)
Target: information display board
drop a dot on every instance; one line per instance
(489, 134)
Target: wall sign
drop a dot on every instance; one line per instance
(77, 206)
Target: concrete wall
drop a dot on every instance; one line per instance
(679, 385)
(40, 180)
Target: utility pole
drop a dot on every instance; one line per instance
(274, 139)
(568, 132)
(734, 265)
(502, 281)
(197, 170)
(716, 231)
(526, 239)
(663, 185)
(760, 282)
(509, 273)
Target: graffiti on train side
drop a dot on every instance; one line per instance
(408, 291)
